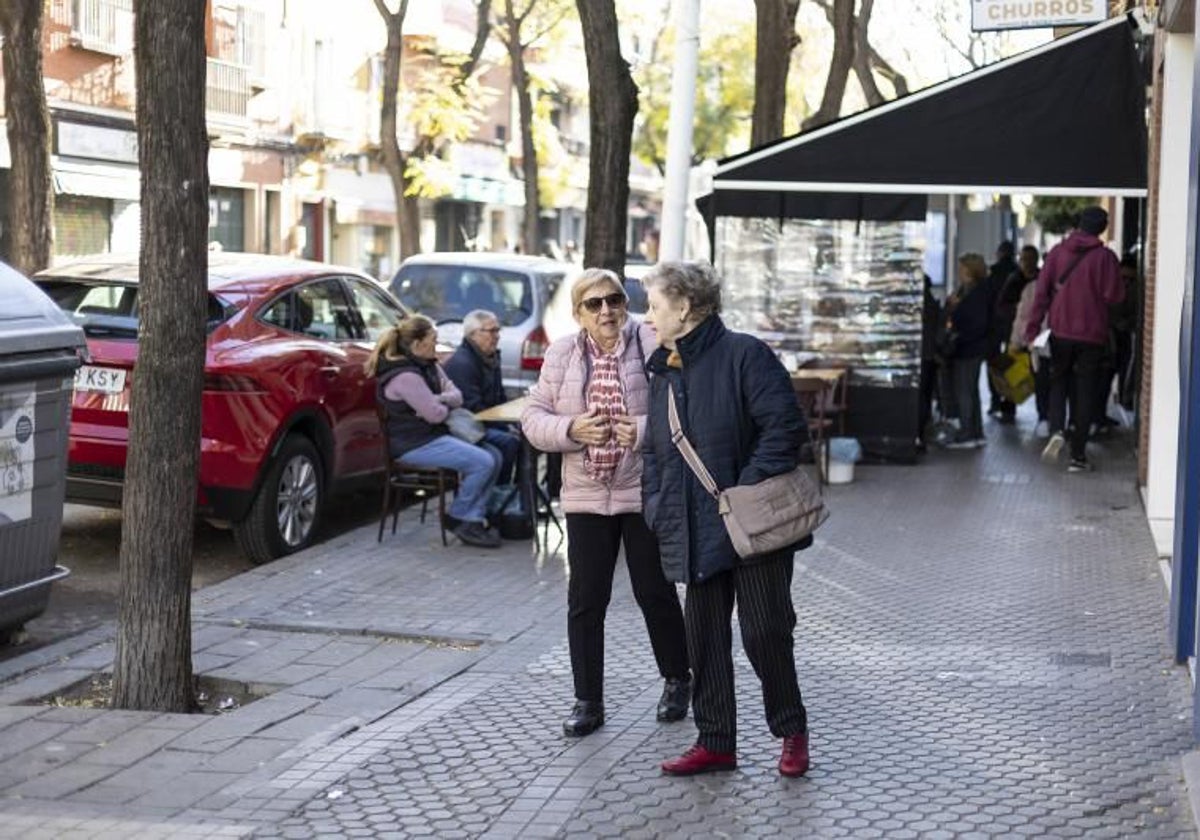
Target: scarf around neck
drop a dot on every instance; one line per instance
(606, 395)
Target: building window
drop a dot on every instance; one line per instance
(227, 218)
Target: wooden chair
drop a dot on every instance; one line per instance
(813, 397)
(420, 481)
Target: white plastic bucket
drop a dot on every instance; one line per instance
(841, 472)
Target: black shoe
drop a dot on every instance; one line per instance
(675, 697)
(586, 717)
(1079, 465)
(474, 533)
(451, 523)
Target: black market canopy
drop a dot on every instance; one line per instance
(1065, 118)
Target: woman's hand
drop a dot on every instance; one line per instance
(590, 428)
(625, 430)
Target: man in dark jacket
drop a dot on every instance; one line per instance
(1005, 312)
(998, 274)
(1080, 280)
(475, 369)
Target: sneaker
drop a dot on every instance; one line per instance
(794, 760)
(699, 759)
(474, 533)
(1042, 430)
(979, 443)
(961, 443)
(673, 705)
(1053, 447)
(1078, 465)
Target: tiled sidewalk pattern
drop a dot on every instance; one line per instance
(980, 644)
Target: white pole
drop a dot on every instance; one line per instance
(679, 129)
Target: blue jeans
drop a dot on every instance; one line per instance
(476, 466)
(509, 445)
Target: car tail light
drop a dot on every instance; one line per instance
(533, 349)
(237, 382)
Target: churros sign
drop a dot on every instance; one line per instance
(1031, 14)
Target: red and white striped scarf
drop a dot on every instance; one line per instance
(607, 397)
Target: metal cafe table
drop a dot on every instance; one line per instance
(533, 495)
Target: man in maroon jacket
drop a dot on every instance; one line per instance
(1080, 279)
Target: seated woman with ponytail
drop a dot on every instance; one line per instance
(418, 396)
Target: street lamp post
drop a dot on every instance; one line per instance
(679, 129)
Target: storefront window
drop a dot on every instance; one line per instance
(82, 225)
(843, 292)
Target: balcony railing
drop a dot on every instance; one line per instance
(104, 26)
(227, 88)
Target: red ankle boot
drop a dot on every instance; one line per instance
(794, 761)
(699, 759)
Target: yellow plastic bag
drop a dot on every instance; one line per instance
(1012, 375)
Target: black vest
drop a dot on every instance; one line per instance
(407, 430)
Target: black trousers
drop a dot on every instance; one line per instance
(593, 544)
(763, 594)
(1074, 370)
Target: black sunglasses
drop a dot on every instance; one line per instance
(614, 301)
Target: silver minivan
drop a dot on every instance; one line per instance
(515, 287)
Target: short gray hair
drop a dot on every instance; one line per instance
(696, 282)
(477, 319)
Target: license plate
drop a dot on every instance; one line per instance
(102, 379)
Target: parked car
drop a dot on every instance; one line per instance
(288, 414)
(516, 288)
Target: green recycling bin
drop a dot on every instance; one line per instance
(40, 349)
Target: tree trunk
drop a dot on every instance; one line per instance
(529, 163)
(612, 107)
(839, 68)
(868, 62)
(775, 39)
(30, 211)
(153, 666)
(394, 161)
(863, 67)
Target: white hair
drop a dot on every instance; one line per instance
(477, 319)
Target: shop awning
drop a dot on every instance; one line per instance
(1066, 118)
(102, 180)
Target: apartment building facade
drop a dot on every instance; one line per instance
(293, 97)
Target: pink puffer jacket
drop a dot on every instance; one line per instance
(559, 396)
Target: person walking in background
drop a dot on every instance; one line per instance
(1027, 283)
(475, 370)
(1005, 312)
(1122, 324)
(737, 407)
(590, 403)
(971, 324)
(931, 317)
(417, 397)
(997, 275)
(1079, 281)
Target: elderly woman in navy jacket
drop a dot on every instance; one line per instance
(737, 406)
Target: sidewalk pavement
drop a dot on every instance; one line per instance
(980, 643)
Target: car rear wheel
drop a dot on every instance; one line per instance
(287, 509)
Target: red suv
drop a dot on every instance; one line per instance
(288, 415)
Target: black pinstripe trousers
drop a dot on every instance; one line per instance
(762, 591)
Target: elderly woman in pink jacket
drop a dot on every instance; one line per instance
(590, 404)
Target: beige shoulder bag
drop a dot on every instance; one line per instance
(775, 513)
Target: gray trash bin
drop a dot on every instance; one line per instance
(40, 350)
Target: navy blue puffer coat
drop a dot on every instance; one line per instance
(737, 406)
